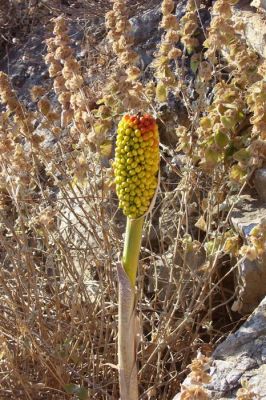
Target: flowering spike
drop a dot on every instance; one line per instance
(136, 163)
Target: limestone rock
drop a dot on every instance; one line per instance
(251, 281)
(251, 275)
(240, 358)
(144, 26)
(247, 214)
(260, 183)
(260, 4)
(254, 26)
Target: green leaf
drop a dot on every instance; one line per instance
(227, 122)
(100, 101)
(194, 63)
(80, 391)
(221, 139)
(71, 388)
(229, 150)
(242, 155)
(237, 173)
(206, 123)
(211, 156)
(106, 148)
(161, 92)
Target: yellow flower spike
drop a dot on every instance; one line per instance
(137, 156)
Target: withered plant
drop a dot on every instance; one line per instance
(61, 232)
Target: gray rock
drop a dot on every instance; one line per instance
(247, 214)
(24, 62)
(147, 33)
(251, 281)
(254, 26)
(260, 4)
(241, 357)
(260, 183)
(144, 26)
(250, 276)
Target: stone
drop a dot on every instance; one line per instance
(143, 26)
(240, 358)
(247, 213)
(260, 183)
(260, 4)
(250, 276)
(251, 281)
(254, 27)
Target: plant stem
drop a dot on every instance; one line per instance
(127, 322)
(132, 246)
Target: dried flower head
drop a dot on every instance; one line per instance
(194, 393)
(167, 7)
(169, 22)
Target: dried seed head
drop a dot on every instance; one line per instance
(59, 84)
(222, 7)
(64, 98)
(63, 52)
(194, 392)
(133, 73)
(128, 57)
(54, 69)
(167, 7)
(169, 22)
(174, 54)
(172, 36)
(51, 47)
(44, 106)
(122, 25)
(110, 20)
(74, 83)
(60, 26)
(36, 92)
(190, 27)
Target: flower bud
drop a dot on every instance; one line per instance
(136, 163)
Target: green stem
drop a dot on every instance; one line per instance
(132, 246)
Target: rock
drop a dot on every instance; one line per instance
(247, 214)
(240, 358)
(147, 33)
(144, 26)
(260, 183)
(251, 279)
(254, 26)
(24, 62)
(260, 4)
(251, 275)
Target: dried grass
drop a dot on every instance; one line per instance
(60, 238)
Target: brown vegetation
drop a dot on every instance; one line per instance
(61, 230)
